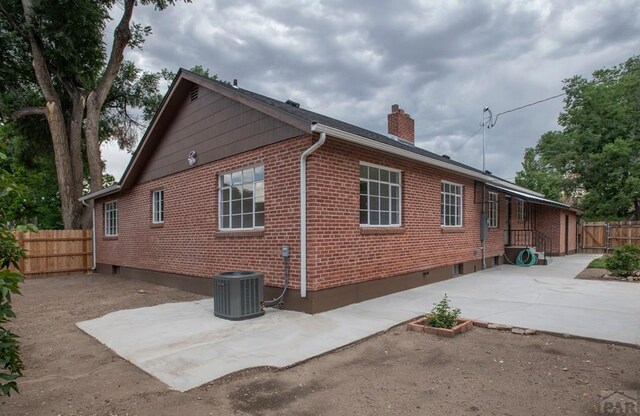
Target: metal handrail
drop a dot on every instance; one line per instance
(531, 238)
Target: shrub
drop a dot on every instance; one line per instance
(442, 316)
(624, 261)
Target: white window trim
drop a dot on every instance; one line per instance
(461, 205)
(106, 226)
(153, 207)
(495, 204)
(220, 187)
(399, 172)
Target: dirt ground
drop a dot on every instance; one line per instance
(482, 372)
(597, 274)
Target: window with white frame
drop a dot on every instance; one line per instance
(158, 206)
(493, 209)
(451, 204)
(242, 199)
(111, 218)
(379, 196)
(522, 211)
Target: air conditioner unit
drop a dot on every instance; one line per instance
(238, 294)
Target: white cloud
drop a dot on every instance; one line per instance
(441, 61)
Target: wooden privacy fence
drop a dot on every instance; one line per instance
(56, 251)
(602, 237)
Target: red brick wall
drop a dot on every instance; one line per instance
(340, 252)
(189, 242)
(422, 244)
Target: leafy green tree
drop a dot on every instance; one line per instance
(57, 68)
(540, 177)
(10, 255)
(597, 151)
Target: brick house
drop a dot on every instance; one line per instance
(224, 177)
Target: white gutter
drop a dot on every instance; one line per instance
(363, 141)
(93, 231)
(103, 192)
(303, 210)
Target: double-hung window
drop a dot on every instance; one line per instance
(379, 196)
(111, 218)
(451, 204)
(522, 210)
(158, 206)
(493, 209)
(242, 199)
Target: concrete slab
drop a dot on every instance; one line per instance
(184, 345)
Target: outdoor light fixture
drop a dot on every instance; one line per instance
(191, 158)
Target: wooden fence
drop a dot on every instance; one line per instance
(56, 251)
(602, 237)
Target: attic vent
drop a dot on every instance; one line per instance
(194, 93)
(293, 103)
(446, 156)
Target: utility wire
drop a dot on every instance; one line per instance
(491, 124)
(466, 141)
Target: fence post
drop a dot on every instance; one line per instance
(20, 238)
(607, 242)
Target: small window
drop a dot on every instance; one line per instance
(457, 269)
(522, 210)
(111, 218)
(158, 206)
(379, 196)
(242, 199)
(451, 205)
(493, 210)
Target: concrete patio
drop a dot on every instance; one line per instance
(184, 345)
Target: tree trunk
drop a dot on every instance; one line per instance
(75, 141)
(636, 212)
(93, 142)
(70, 206)
(97, 97)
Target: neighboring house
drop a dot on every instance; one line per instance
(216, 184)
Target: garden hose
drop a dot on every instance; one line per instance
(531, 258)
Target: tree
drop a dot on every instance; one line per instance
(10, 255)
(598, 149)
(70, 79)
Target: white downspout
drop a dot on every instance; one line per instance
(303, 211)
(93, 232)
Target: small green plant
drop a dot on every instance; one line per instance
(624, 261)
(442, 315)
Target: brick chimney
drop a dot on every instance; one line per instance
(401, 124)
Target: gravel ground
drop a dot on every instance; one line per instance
(482, 372)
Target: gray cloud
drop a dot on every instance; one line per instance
(441, 61)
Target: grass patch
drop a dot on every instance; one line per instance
(597, 263)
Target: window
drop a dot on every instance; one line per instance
(379, 196)
(158, 206)
(451, 204)
(522, 212)
(111, 218)
(457, 269)
(242, 199)
(493, 209)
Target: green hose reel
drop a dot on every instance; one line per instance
(526, 258)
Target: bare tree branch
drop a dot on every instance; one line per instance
(29, 111)
(121, 37)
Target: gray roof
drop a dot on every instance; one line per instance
(300, 117)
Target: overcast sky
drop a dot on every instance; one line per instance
(441, 61)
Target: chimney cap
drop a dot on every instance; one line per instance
(395, 108)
